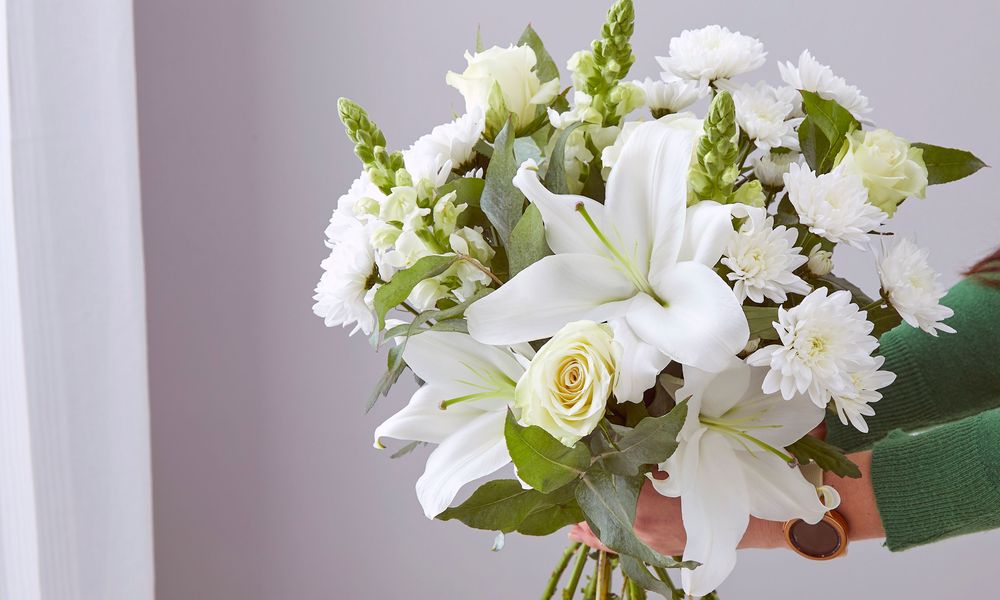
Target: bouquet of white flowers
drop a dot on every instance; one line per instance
(593, 297)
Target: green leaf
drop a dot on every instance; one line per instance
(608, 501)
(395, 292)
(635, 570)
(468, 190)
(553, 512)
(545, 66)
(479, 39)
(527, 241)
(652, 441)
(945, 165)
(885, 318)
(834, 283)
(555, 174)
(407, 449)
(501, 201)
(393, 370)
(761, 320)
(525, 148)
(499, 505)
(542, 461)
(827, 456)
(824, 131)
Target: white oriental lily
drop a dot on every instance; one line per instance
(642, 262)
(730, 464)
(461, 407)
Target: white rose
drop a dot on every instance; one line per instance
(891, 169)
(566, 388)
(512, 69)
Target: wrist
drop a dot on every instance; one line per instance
(857, 499)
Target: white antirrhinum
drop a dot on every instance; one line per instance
(833, 205)
(433, 157)
(762, 260)
(712, 53)
(763, 113)
(811, 75)
(462, 407)
(671, 96)
(823, 340)
(642, 262)
(913, 287)
(730, 464)
(853, 404)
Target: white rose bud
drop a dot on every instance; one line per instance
(891, 169)
(512, 69)
(820, 261)
(567, 386)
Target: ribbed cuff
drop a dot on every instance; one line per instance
(939, 483)
(905, 404)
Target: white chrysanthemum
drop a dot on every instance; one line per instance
(343, 296)
(446, 147)
(912, 286)
(762, 259)
(671, 96)
(770, 168)
(820, 261)
(854, 404)
(712, 53)
(762, 112)
(361, 199)
(823, 340)
(833, 205)
(813, 76)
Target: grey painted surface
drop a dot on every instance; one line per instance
(265, 482)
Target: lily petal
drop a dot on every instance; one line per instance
(566, 231)
(772, 419)
(474, 451)
(638, 365)
(715, 509)
(708, 228)
(552, 292)
(423, 420)
(717, 392)
(778, 492)
(447, 356)
(647, 189)
(702, 324)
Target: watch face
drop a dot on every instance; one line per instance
(823, 540)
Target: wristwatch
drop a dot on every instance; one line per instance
(820, 541)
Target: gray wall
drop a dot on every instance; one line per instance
(266, 485)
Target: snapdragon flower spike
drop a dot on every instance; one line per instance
(461, 407)
(641, 262)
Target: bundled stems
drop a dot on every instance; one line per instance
(603, 576)
(550, 589)
(574, 577)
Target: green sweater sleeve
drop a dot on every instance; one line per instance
(938, 379)
(939, 483)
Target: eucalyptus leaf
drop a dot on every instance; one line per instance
(835, 283)
(545, 66)
(406, 449)
(501, 201)
(553, 512)
(395, 292)
(499, 505)
(527, 241)
(394, 369)
(885, 318)
(542, 461)
(608, 500)
(652, 441)
(468, 190)
(635, 570)
(827, 456)
(945, 165)
(555, 174)
(525, 148)
(761, 320)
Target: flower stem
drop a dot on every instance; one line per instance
(550, 589)
(603, 576)
(665, 578)
(574, 576)
(475, 263)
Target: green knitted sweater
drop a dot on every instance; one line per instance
(935, 437)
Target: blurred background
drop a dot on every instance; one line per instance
(265, 481)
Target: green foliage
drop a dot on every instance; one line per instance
(370, 145)
(502, 203)
(715, 169)
(824, 131)
(635, 570)
(555, 174)
(542, 461)
(545, 65)
(527, 241)
(503, 505)
(945, 165)
(395, 292)
(468, 190)
(608, 501)
(553, 512)
(827, 456)
(834, 283)
(651, 441)
(884, 317)
(761, 320)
